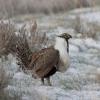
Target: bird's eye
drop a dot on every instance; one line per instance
(64, 34)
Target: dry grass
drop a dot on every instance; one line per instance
(21, 44)
(14, 7)
(7, 38)
(87, 29)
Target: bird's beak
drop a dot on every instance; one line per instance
(70, 36)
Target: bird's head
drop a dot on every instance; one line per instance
(66, 36)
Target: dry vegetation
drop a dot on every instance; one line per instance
(14, 7)
(87, 29)
(7, 38)
(22, 44)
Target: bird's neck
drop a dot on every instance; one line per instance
(61, 46)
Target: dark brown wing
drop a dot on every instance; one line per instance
(45, 60)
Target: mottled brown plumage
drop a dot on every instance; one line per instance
(43, 62)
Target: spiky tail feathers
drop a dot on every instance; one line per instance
(23, 52)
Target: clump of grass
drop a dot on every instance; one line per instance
(7, 38)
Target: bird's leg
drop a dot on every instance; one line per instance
(42, 80)
(48, 80)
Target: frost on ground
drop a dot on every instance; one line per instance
(80, 82)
